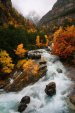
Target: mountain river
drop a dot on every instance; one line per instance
(40, 102)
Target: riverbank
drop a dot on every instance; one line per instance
(20, 78)
(71, 75)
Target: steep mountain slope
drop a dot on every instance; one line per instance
(9, 16)
(62, 9)
(15, 29)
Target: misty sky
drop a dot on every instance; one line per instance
(41, 7)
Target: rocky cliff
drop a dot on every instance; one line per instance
(62, 9)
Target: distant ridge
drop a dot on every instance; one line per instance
(61, 10)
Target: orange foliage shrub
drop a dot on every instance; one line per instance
(64, 42)
(20, 51)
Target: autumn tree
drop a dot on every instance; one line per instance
(21, 63)
(58, 32)
(64, 42)
(31, 67)
(47, 40)
(38, 41)
(6, 62)
(20, 51)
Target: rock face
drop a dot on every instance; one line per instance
(23, 104)
(50, 89)
(61, 10)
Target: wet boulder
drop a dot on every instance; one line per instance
(50, 89)
(34, 54)
(48, 49)
(25, 100)
(59, 70)
(23, 103)
(42, 67)
(42, 62)
(22, 107)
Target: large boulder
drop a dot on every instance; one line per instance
(22, 107)
(23, 103)
(50, 89)
(25, 100)
(35, 54)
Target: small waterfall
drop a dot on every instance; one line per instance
(40, 102)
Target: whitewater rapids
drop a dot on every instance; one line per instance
(40, 102)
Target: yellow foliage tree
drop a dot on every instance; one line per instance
(31, 67)
(6, 62)
(20, 51)
(21, 63)
(38, 41)
(47, 40)
(58, 32)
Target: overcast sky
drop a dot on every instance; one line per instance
(41, 7)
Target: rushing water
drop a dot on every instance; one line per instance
(40, 102)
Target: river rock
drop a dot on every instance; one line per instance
(22, 107)
(59, 70)
(34, 54)
(42, 67)
(23, 104)
(25, 100)
(50, 89)
(48, 49)
(42, 62)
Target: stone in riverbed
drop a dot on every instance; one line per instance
(50, 89)
(23, 104)
(59, 70)
(25, 100)
(22, 107)
(42, 62)
(34, 54)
